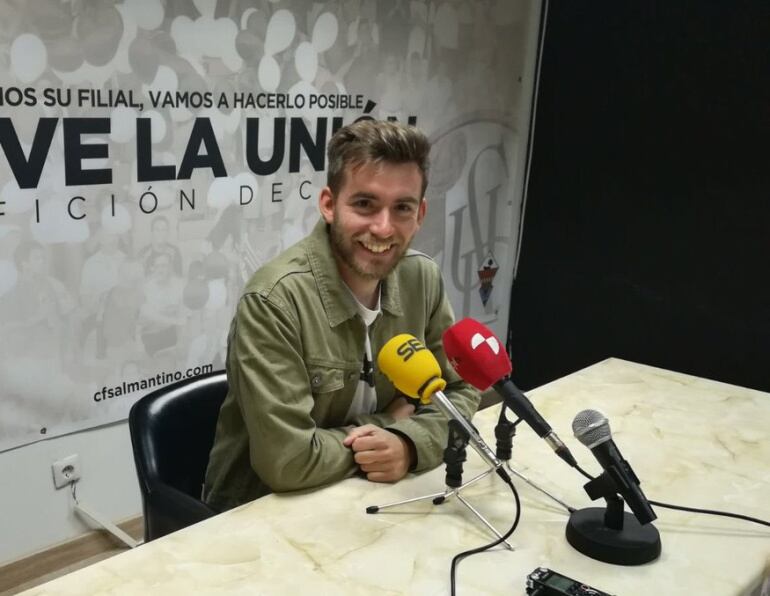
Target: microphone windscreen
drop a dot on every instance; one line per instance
(591, 428)
(476, 353)
(410, 366)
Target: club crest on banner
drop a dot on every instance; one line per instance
(487, 274)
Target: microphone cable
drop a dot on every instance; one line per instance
(584, 473)
(711, 512)
(695, 509)
(459, 557)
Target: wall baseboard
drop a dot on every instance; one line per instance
(68, 553)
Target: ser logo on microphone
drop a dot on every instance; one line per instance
(407, 349)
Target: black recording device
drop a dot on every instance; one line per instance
(546, 582)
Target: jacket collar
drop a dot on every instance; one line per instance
(336, 298)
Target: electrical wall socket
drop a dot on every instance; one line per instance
(66, 470)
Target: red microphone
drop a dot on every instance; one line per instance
(479, 358)
(476, 354)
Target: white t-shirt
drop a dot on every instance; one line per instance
(365, 398)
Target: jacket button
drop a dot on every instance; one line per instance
(316, 380)
(351, 375)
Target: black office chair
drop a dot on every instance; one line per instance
(172, 430)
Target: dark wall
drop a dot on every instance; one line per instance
(646, 234)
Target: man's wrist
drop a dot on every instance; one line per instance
(409, 448)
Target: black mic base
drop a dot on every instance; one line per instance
(634, 544)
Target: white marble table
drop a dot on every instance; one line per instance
(691, 441)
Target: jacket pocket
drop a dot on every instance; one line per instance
(333, 389)
(324, 379)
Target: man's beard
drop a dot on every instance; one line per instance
(344, 248)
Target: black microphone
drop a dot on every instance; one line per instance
(479, 358)
(523, 408)
(593, 430)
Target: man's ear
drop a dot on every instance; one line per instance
(421, 211)
(326, 204)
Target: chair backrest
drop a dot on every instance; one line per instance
(172, 431)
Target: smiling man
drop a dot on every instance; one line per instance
(306, 406)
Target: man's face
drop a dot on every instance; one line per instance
(36, 263)
(160, 268)
(159, 231)
(109, 243)
(373, 218)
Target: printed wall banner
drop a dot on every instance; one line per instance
(154, 153)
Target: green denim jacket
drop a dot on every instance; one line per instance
(294, 357)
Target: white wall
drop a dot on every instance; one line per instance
(34, 515)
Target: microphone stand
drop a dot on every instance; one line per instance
(610, 534)
(505, 430)
(454, 457)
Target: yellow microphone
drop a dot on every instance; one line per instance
(411, 367)
(415, 372)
